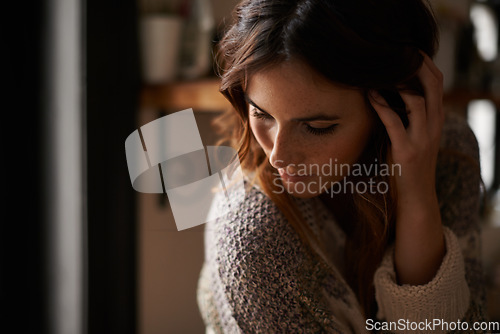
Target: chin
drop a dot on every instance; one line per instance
(300, 191)
(304, 195)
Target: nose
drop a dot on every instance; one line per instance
(285, 149)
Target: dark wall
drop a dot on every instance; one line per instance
(21, 227)
(112, 70)
(110, 94)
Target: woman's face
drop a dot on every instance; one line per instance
(307, 126)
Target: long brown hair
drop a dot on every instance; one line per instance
(365, 44)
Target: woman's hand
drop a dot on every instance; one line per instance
(419, 244)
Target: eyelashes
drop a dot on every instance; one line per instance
(321, 131)
(260, 115)
(315, 131)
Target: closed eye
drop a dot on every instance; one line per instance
(311, 129)
(321, 131)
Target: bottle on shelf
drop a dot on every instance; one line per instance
(196, 46)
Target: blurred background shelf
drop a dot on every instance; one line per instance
(461, 97)
(204, 95)
(201, 95)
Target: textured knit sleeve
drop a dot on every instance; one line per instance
(457, 290)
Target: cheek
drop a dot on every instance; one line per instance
(360, 141)
(348, 147)
(261, 132)
(341, 149)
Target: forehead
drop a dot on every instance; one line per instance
(293, 83)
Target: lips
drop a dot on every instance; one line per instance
(292, 178)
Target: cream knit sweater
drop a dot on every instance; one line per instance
(258, 276)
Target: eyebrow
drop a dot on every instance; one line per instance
(318, 117)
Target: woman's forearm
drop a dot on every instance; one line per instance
(419, 244)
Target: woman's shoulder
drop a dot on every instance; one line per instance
(266, 270)
(246, 210)
(252, 210)
(254, 235)
(458, 160)
(458, 176)
(243, 199)
(458, 136)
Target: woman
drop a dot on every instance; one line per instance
(358, 215)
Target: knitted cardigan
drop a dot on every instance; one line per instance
(259, 277)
